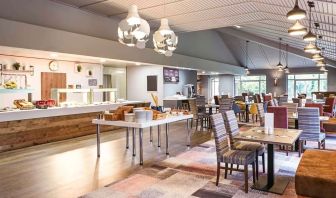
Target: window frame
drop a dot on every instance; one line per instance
(262, 78)
(319, 79)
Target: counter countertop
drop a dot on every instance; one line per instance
(58, 111)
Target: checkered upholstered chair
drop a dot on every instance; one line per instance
(229, 155)
(225, 104)
(261, 113)
(231, 125)
(309, 123)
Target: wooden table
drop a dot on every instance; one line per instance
(285, 137)
(140, 126)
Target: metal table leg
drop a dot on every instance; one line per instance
(188, 131)
(167, 142)
(133, 138)
(98, 140)
(159, 136)
(151, 134)
(127, 137)
(100, 116)
(141, 146)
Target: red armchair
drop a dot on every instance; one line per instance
(280, 116)
(322, 113)
(267, 98)
(330, 105)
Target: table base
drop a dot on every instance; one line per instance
(279, 186)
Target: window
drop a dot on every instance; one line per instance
(214, 87)
(246, 84)
(306, 83)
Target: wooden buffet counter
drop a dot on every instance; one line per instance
(19, 129)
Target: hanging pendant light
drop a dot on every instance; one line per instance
(133, 31)
(164, 39)
(247, 71)
(279, 65)
(297, 29)
(321, 63)
(286, 69)
(310, 37)
(317, 57)
(311, 48)
(323, 69)
(296, 13)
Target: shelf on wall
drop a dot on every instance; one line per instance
(8, 91)
(15, 71)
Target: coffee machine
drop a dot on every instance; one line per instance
(189, 90)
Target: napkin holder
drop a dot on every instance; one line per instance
(269, 123)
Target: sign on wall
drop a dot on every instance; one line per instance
(171, 75)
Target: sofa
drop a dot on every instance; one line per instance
(316, 174)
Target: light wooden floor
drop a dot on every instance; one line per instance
(70, 168)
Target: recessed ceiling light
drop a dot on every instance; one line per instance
(120, 72)
(53, 55)
(137, 63)
(203, 72)
(237, 26)
(102, 60)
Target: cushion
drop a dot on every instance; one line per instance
(316, 175)
(330, 125)
(249, 146)
(238, 157)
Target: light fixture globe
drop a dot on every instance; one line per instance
(133, 31)
(296, 13)
(297, 29)
(164, 39)
(309, 37)
(317, 57)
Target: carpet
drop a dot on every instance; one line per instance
(192, 174)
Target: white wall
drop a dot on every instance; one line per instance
(137, 83)
(185, 77)
(41, 65)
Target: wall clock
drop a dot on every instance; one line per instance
(53, 65)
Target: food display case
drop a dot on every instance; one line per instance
(88, 96)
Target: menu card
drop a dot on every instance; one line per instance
(269, 123)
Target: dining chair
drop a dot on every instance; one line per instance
(299, 101)
(197, 115)
(330, 105)
(225, 105)
(228, 155)
(232, 128)
(309, 123)
(216, 99)
(225, 96)
(238, 111)
(267, 98)
(254, 112)
(282, 99)
(200, 103)
(261, 113)
(320, 107)
(280, 121)
(291, 110)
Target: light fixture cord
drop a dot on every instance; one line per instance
(246, 54)
(310, 16)
(287, 55)
(280, 50)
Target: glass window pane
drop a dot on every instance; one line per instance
(307, 76)
(323, 85)
(291, 76)
(306, 87)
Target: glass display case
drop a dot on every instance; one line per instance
(87, 96)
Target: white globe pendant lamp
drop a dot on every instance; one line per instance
(133, 31)
(164, 39)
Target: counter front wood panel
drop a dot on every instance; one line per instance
(24, 133)
(29, 132)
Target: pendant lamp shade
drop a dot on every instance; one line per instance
(317, 57)
(311, 48)
(164, 39)
(321, 63)
(297, 29)
(296, 13)
(133, 30)
(309, 37)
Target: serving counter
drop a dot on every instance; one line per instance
(23, 128)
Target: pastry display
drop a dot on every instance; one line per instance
(10, 85)
(23, 104)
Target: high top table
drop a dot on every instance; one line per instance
(279, 137)
(140, 126)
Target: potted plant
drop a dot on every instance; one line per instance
(16, 66)
(79, 68)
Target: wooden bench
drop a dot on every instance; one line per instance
(316, 174)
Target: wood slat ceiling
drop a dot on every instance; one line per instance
(265, 18)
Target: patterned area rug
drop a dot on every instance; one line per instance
(192, 174)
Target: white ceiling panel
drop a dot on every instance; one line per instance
(259, 17)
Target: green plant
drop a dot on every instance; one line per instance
(79, 68)
(16, 66)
